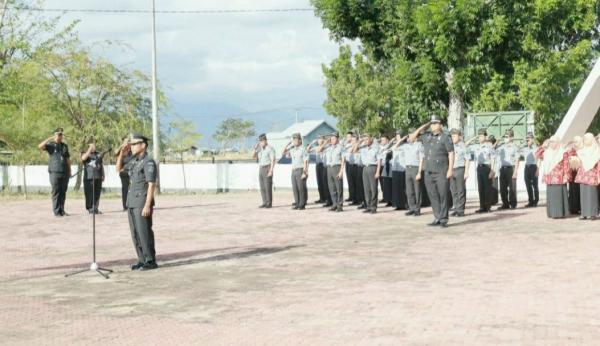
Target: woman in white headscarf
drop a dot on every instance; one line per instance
(588, 175)
(557, 173)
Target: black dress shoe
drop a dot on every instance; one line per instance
(355, 203)
(136, 266)
(388, 204)
(504, 207)
(294, 208)
(318, 201)
(382, 201)
(64, 213)
(268, 206)
(453, 213)
(340, 209)
(409, 213)
(417, 213)
(301, 208)
(361, 207)
(373, 211)
(333, 209)
(444, 224)
(459, 214)
(481, 211)
(348, 200)
(149, 266)
(434, 223)
(366, 211)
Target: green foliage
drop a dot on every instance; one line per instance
(182, 135)
(234, 131)
(500, 55)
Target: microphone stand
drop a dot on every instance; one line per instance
(94, 265)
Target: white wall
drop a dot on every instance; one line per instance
(201, 177)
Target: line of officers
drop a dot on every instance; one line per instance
(423, 167)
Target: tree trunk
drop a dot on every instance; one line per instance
(456, 107)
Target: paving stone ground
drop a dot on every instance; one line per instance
(233, 274)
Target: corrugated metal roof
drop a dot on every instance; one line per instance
(304, 128)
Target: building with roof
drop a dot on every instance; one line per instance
(309, 130)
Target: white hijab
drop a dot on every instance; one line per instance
(589, 154)
(552, 156)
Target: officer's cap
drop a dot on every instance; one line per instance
(58, 131)
(262, 137)
(401, 132)
(529, 135)
(509, 133)
(137, 138)
(456, 132)
(296, 136)
(435, 119)
(482, 132)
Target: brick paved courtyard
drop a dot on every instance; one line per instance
(233, 274)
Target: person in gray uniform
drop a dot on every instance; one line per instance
(458, 186)
(140, 201)
(385, 180)
(508, 157)
(485, 158)
(335, 161)
(369, 150)
(438, 167)
(358, 173)
(299, 156)
(93, 176)
(413, 156)
(59, 169)
(532, 172)
(349, 167)
(123, 175)
(399, 172)
(320, 170)
(496, 170)
(265, 154)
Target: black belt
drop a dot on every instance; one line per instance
(483, 165)
(531, 164)
(412, 166)
(507, 167)
(371, 165)
(336, 165)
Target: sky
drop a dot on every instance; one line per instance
(213, 66)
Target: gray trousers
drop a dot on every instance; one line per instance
(60, 184)
(336, 186)
(141, 235)
(437, 189)
(370, 187)
(266, 185)
(413, 189)
(299, 188)
(508, 187)
(458, 189)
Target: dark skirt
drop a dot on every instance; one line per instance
(589, 200)
(557, 201)
(399, 190)
(574, 199)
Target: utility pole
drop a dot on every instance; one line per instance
(155, 122)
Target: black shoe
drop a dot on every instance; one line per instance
(268, 206)
(64, 213)
(504, 207)
(301, 208)
(98, 212)
(355, 203)
(434, 223)
(373, 211)
(388, 204)
(583, 218)
(333, 209)
(148, 266)
(58, 215)
(454, 213)
(294, 208)
(409, 213)
(348, 200)
(361, 207)
(528, 205)
(136, 266)
(444, 224)
(460, 214)
(318, 201)
(417, 213)
(327, 205)
(293, 204)
(340, 209)
(382, 201)
(366, 211)
(481, 211)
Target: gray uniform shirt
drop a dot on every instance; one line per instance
(413, 153)
(399, 158)
(369, 155)
(461, 155)
(265, 155)
(319, 157)
(142, 170)
(508, 154)
(484, 153)
(529, 154)
(298, 155)
(334, 154)
(348, 155)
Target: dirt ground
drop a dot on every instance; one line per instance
(233, 274)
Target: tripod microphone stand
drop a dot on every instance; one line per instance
(94, 265)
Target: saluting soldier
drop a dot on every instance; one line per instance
(124, 175)
(335, 160)
(485, 158)
(458, 186)
(93, 176)
(320, 170)
(299, 156)
(349, 167)
(385, 156)
(369, 150)
(532, 171)
(399, 171)
(140, 201)
(413, 155)
(508, 155)
(438, 167)
(496, 169)
(266, 163)
(359, 169)
(59, 169)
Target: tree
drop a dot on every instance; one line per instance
(451, 55)
(182, 135)
(232, 130)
